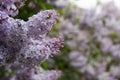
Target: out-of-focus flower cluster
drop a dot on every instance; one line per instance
(94, 41)
(24, 45)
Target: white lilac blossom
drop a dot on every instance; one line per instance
(24, 43)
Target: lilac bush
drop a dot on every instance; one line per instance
(24, 45)
(94, 41)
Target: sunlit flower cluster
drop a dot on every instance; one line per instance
(24, 45)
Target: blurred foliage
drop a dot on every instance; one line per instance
(27, 11)
(62, 63)
(2, 72)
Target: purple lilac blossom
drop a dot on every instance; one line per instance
(24, 45)
(9, 7)
(36, 74)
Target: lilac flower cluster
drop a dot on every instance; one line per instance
(9, 7)
(24, 44)
(94, 42)
(35, 74)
